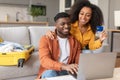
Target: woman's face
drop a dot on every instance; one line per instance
(85, 15)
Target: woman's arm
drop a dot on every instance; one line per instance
(95, 44)
(103, 36)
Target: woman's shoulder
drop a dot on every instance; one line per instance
(74, 25)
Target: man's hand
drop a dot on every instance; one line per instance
(72, 68)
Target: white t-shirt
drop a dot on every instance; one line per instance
(64, 49)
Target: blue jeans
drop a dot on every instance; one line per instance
(53, 73)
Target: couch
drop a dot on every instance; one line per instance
(23, 35)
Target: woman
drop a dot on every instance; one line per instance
(85, 17)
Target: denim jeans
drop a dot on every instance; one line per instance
(53, 73)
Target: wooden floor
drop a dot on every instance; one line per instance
(117, 62)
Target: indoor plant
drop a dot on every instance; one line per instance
(37, 10)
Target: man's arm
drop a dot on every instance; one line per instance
(73, 68)
(46, 60)
(78, 52)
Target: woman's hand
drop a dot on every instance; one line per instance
(50, 34)
(103, 36)
(72, 68)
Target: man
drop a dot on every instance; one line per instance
(60, 55)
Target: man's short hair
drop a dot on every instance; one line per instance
(61, 15)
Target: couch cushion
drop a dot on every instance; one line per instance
(31, 67)
(37, 32)
(15, 34)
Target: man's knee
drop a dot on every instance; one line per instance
(49, 73)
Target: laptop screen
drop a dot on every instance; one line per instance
(96, 66)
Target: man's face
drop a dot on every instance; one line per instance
(63, 27)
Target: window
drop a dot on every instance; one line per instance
(65, 5)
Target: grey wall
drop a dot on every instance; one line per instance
(24, 2)
(114, 5)
(51, 5)
(104, 5)
(52, 8)
(108, 7)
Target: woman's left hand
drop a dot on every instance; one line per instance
(103, 36)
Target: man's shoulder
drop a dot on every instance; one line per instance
(44, 38)
(74, 39)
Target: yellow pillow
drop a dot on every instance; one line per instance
(1, 40)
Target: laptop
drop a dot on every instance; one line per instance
(93, 66)
(96, 66)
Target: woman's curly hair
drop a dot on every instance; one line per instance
(96, 18)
